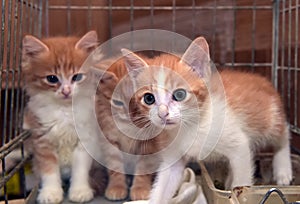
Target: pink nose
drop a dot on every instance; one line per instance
(66, 91)
(163, 111)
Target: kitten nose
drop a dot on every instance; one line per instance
(163, 111)
(66, 91)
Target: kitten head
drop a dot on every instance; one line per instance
(113, 93)
(52, 65)
(168, 91)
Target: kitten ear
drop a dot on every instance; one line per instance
(197, 57)
(33, 46)
(104, 76)
(133, 62)
(88, 42)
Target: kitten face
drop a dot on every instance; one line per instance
(169, 100)
(52, 65)
(60, 84)
(170, 91)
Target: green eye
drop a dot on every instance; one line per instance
(149, 98)
(52, 79)
(179, 95)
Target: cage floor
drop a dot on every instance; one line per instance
(32, 199)
(97, 200)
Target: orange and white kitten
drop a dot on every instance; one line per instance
(51, 69)
(205, 119)
(112, 113)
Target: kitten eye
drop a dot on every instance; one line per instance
(52, 79)
(179, 95)
(77, 77)
(149, 98)
(117, 102)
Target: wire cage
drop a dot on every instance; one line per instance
(258, 36)
(17, 17)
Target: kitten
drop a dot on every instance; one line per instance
(112, 108)
(206, 115)
(51, 69)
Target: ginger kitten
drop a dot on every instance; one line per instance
(51, 69)
(114, 121)
(206, 115)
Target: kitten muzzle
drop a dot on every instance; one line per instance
(66, 91)
(163, 112)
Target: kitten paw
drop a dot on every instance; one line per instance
(116, 192)
(283, 178)
(140, 192)
(81, 194)
(51, 195)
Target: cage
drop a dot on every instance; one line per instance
(257, 36)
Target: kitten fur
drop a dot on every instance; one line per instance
(51, 69)
(230, 119)
(111, 106)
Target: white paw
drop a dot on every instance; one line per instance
(50, 195)
(283, 178)
(81, 194)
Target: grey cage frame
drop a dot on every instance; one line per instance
(285, 57)
(272, 52)
(17, 17)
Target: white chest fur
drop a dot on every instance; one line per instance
(58, 124)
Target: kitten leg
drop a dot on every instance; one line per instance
(80, 190)
(241, 164)
(51, 191)
(142, 182)
(141, 187)
(167, 182)
(282, 166)
(117, 186)
(46, 162)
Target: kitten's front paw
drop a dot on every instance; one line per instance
(81, 194)
(51, 195)
(283, 178)
(116, 192)
(140, 192)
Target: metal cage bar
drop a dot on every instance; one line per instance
(18, 17)
(285, 65)
(296, 62)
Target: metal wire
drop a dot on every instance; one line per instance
(282, 50)
(289, 60)
(214, 22)
(274, 190)
(69, 17)
(296, 64)
(109, 17)
(233, 36)
(288, 10)
(253, 35)
(18, 17)
(275, 43)
(159, 7)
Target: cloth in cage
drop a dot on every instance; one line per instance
(189, 191)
